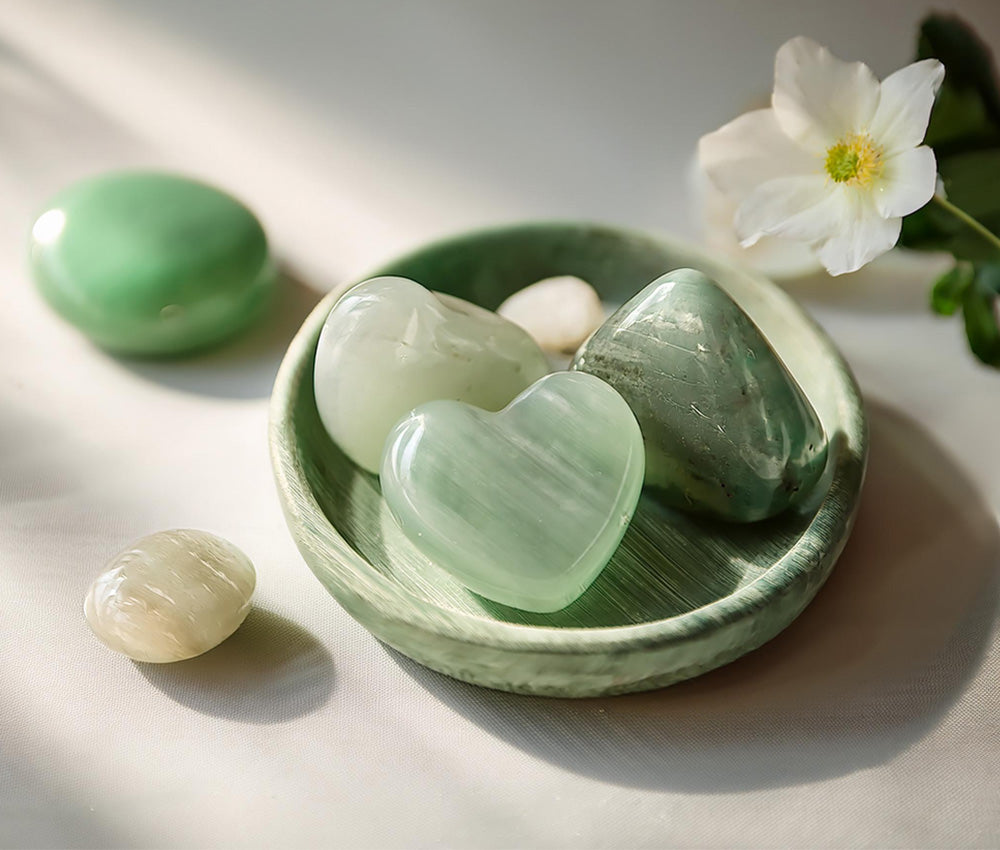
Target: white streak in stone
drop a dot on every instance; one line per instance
(173, 595)
(390, 345)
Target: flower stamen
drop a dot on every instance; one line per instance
(854, 159)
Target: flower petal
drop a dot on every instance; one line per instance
(749, 151)
(862, 236)
(777, 258)
(905, 106)
(819, 98)
(804, 208)
(907, 182)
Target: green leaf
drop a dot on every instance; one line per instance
(967, 113)
(960, 122)
(927, 229)
(946, 296)
(972, 183)
(979, 307)
(988, 277)
(964, 131)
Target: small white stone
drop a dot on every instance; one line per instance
(558, 312)
(170, 596)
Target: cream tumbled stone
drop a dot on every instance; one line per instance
(171, 596)
(559, 312)
(389, 345)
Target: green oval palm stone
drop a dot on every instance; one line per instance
(728, 431)
(148, 263)
(524, 506)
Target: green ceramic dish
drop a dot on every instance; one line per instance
(681, 596)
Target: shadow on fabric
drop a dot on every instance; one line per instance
(242, 368)
(869, 668)
(270, 671)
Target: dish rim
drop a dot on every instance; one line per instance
(354, 575)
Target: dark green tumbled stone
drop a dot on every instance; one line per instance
(151, 264)
(728, 432)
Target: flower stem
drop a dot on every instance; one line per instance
(969, 221)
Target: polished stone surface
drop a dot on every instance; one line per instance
(389, 345)
(151, 264)
(558, 312)
(171, 596)
(728, 431)
(524, 506)
(683, 594)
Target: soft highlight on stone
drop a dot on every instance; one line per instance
(681, 595)
(558, 312)
(525, 506)
(728, 431)
(389, 345)
(171, 596)
(151, 264)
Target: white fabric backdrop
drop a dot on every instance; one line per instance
(358, 130)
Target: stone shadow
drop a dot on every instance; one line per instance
(270, 671)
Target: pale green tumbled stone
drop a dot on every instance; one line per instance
(524, 506)
(728, 431)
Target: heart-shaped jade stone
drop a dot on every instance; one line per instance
(389, 345)
(728, 431)
(524, 506)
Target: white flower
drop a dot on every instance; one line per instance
(777, 258)
(836, 162)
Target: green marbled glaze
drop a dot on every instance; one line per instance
(151, 264)
(728, 432)
(524, 506)
(682, 594)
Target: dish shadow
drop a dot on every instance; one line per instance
(270, 670)
(243, 368)
(868, 669)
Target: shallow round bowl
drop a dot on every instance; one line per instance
(681, 596)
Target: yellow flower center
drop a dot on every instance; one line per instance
(854, 159)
